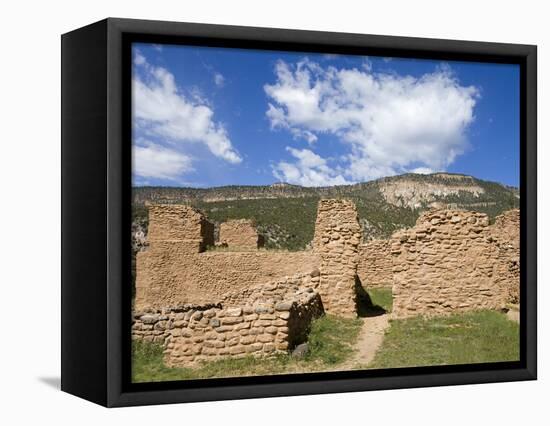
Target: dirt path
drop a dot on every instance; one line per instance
(369, 340)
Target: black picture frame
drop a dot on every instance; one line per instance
(96, 209)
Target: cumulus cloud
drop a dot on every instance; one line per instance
(219, 80)
(309, 169)
(151, 160)
(304, 134)
(388, 123)
(161, 109)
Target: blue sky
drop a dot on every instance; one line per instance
(212, 116)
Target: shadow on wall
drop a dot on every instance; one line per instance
(365, 305)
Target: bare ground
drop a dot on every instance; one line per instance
(369, 340)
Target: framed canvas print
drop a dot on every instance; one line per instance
(253, 212)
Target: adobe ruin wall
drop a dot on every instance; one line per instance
(505, 235)
(275, 320)
(336, 240)
(240, 233)
(175, 270)
(180, 224)
(449, 262)
(203, 305)
(169, 275)
(375, 266)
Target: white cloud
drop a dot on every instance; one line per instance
(309, 169)
(386, 122)
(423, 170)
(139, 59)
(304, 134)
(367, 64)
(162, 109)
(219, 79)
(151, 160)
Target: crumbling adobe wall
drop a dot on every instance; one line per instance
(284, 288)
(272, 323)
(180, 224)
(505, 235)
(173, 271)
(336, 240)
(169, 275)
(240, 233)
(445, 264)
(375, 267)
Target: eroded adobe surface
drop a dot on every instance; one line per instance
(505, 235)
(375, 267)
(180, 224)
(336, 239)
(169, 275)
(452, 261)
(174, 270)
(240, 233)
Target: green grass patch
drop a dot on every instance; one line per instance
(374, 301)
(476, 337)
(381, 297)
(331, 339)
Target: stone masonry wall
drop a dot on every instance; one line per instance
(172, 271)
(445, 264)
(273, 292)
(180, 224)
(375, 267)
(263, 327)
(240, 233)
(505, 235)
(336, 240)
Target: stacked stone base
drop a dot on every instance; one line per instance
(265, 327)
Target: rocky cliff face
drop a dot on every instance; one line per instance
(410, 190)
(417, 193)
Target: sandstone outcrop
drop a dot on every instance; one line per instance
(416, 193)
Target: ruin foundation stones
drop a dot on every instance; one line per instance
(260, 321)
